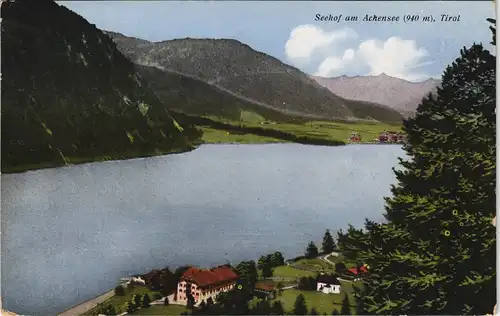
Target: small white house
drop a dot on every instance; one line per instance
(328, 284)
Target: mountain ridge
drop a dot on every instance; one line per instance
(383, 75)
(397, 93)
(250, 74)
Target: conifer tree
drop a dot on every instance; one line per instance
(345, 309)
(267, 270)
(312, 250)
(130, 307)
(328, 245)
(202, 306)
(493, 30)
(277, 308)
(137, 301)
(436, 253)
(146, 301)
(300, 306)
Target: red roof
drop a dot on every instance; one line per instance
(204, 277)
(264, 287)
(362, 269)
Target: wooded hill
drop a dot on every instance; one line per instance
(68, 92)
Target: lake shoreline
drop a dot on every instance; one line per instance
(81, 161)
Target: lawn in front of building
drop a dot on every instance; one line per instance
(291, 272)
(324, 303)
(161, 310)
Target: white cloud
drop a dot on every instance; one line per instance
(305, 40)
(335, 64)
(395, 57)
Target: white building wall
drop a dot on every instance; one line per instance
(335, 289)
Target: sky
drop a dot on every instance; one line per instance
(289, 31)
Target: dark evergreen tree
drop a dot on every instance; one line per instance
(189, 297)
(277, 259)
(247, 270)
(137, 301)
(314, 311)
(340, 267)
(234, 302)
(307, 284)
(300, 306)
(345, 309)
(267, 270)
(358, 297)
(277, 308)
(168, 281)
(335, 312)
(311, 251)
(263, 260)
(202, 306)
(263, 307)
(493, 30)
(130, 307)
(166, 301)
(436, 254)
(328, 243)
(119, 290)
(190, 301)
(146, 301)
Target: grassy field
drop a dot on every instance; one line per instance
(307, 268)
(119, 301)
(324, 303)
(291, 272)
(319, 129)
(161, 310)
(341, 258)
(215, 136)
(285, 282)
(316, 264)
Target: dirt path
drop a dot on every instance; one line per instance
(88, 305)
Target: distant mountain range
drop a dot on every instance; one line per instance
(243, 78)
(401, 95)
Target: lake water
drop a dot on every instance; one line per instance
(70, 233)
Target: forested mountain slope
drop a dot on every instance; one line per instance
(68, 92)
